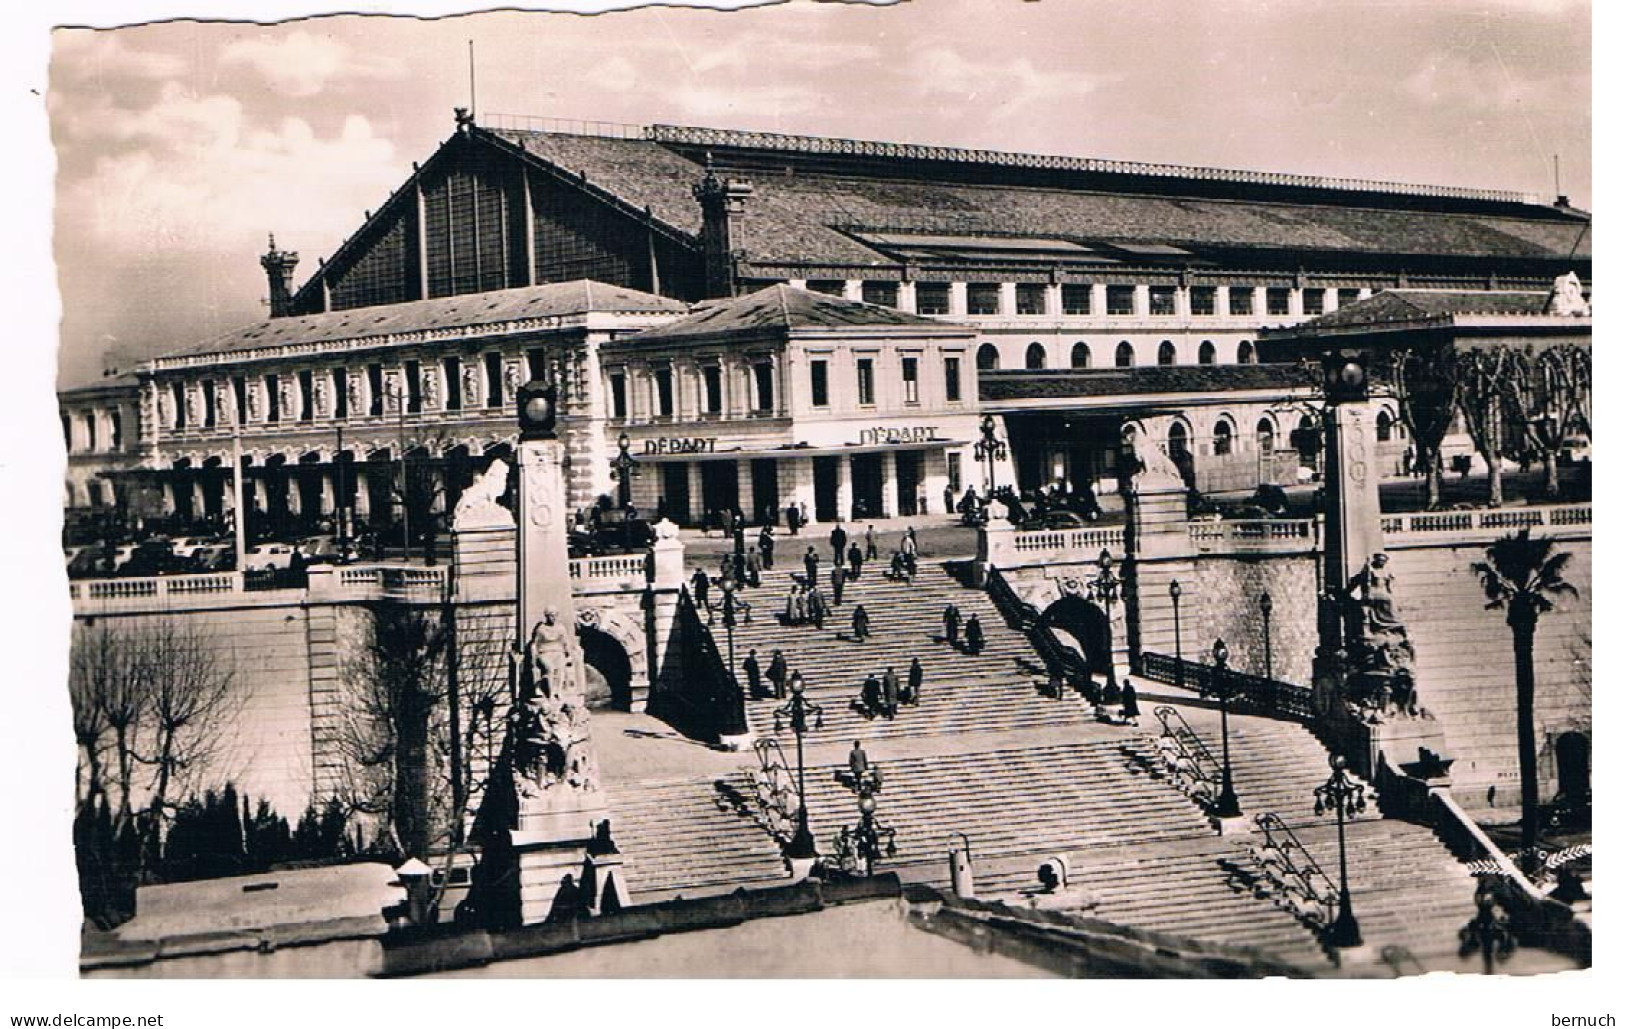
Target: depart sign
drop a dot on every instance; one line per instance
(893, 434)
(680, 445)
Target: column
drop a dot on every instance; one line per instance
(1052, 300)
(852, 289)
(329, 481)
(1142, 301)
(936, 480)
(906, 299)
(889, 506)
(1182, 301)
(1329, 304)
(1221, 301)
(363, 495)
(747, 490)
(1007, 299)
(198, 505)
(1097, 301)
(1294, 302)
(843, 489)
(958, 299)
(1260, 304)
(696, 495)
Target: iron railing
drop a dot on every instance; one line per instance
(1298, 882)
(1061, 662)
(1190, 765)
(777, 800)
(1249, 694)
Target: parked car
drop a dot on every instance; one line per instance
(319, 549)
(1574, 450)
(185, 546)
(1056, 520)
(216, 557)
(268, 557)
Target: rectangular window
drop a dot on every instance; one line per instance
(866, 381)
(617, 395)
(1241, 300)
(1162, 300)
(209, 412)
(375, 386)
(307, 399)
(1277, 300)
(931, 298)
(1075, 297)
(1346, 297)
(95, 491)
(982, 298)
(454, 389)
(116, 435)
(1119, 299)
(911, 380)
(341, 393)
(239, 400)
(664, 401)
(90, 430)
(414, 387)
(1314, 301)
(956, 474)
(882, 293)
(950, 375)
(1030, 298)
(829, 287)
(536, 363)
(820, 383)
(179, 392)
(1204, 299)
(713, 389)
(273, 399)
(493, 380)
(764, 385)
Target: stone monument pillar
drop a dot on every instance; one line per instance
(1353, 518)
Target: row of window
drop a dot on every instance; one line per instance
(1224, 435)
(663, 390)
(1032, 298)
(1037, 356)
(115, 431)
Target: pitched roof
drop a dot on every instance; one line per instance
(554, 300)
(777, 309)
(1411, 305)
(823, 213)
(1155, 379)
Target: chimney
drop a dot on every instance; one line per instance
(1562, 200)
(721, 201)
(279, 266)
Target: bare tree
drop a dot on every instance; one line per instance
(1482, 392)
(1425, 385)
(1548, 397)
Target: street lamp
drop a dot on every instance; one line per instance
(990, 449)
(1266, 607)
(624, 468)
(1228, 805)
(1342, 794)
(801, 846)
(1105, 586)
(1488, 932)
(728, 620)
(1179, 651)
(864, 842)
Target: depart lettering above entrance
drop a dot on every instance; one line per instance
(891, 434)
(681, 445)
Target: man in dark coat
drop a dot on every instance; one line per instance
(974, 639)
(837, 581)
(837, 542)
(739, 535)
(889, 693)
(764, 542)
(854, 557)
(1131, 703)
(816, 608)
(792, 518)
(950, 625)
(753, 674)
(778, 672)
(702, 590)
(810, 561)
(753, 568)
(916, 679)
(860, 623)
(869, 699)
(870, 546)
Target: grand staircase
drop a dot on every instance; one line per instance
(992, 691)
(688, 837)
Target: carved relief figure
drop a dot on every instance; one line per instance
(552, 735)
(1153, 466)
(193, 416)
(1382, 676)
(166, 409)
(1568, 298)
(511, 381)
(319, 396)
(471, 386)
(431, 390)
(285, 394)
(254, 403)
(353, 388)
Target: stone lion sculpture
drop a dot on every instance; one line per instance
(479, 507)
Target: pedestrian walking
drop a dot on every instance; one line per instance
(792, 518)
(854, 557)
(869, 697)
(702, 590)
(810, 562)
(837, 581)
(870, 546)
(857, 764)
(948, 500)
(739, 535)
(796, 610)
(727, 518)
(860, 623)
(778, 671)
(916, 679)
(1131, 703)
(753, 674)
(753, 568)
(837, 542)
(764, 542)
(950, 625)
(974, 639)
(889, 693)
(815, 607)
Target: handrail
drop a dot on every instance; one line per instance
(1398, 958)
(774, 787)
(1301, 885)
(1462, 835)
(1194, 769)
(1060, 661)
(1252, 694)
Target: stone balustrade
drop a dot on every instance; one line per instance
(1562, 519)
(1272, 535)
(1090, 541)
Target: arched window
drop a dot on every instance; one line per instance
(1036, 357)
(1385, 426)
(1244, 352)
(1207, 353)
(1223, 437)
(1125, 354)
(987, 357)
(1179, 443)
(1080, 354)
(1166, 353)
(1266, 436)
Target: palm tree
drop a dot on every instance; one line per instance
(1522, 576)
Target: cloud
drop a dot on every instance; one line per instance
(88, 56)
(301, 64)
(1453, 80)
(782, 55)
(941, 71)
(722, 103)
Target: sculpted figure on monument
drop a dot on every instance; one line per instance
(1151, 466)
(551, 733)
(471, 386)
(510, 379)
(1382, 662)
(431, 390)
(353, 387)
(479, 506)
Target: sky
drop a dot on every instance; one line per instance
(181, 146)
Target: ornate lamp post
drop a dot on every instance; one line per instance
(1266, 607)
(1488, 932)
(864, 842)
(990, 449)
(728, 618)
(1104, 586)
(624, 468)
(1174, 592)
(1342, 794)
(1228, 805)
(797, 710)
